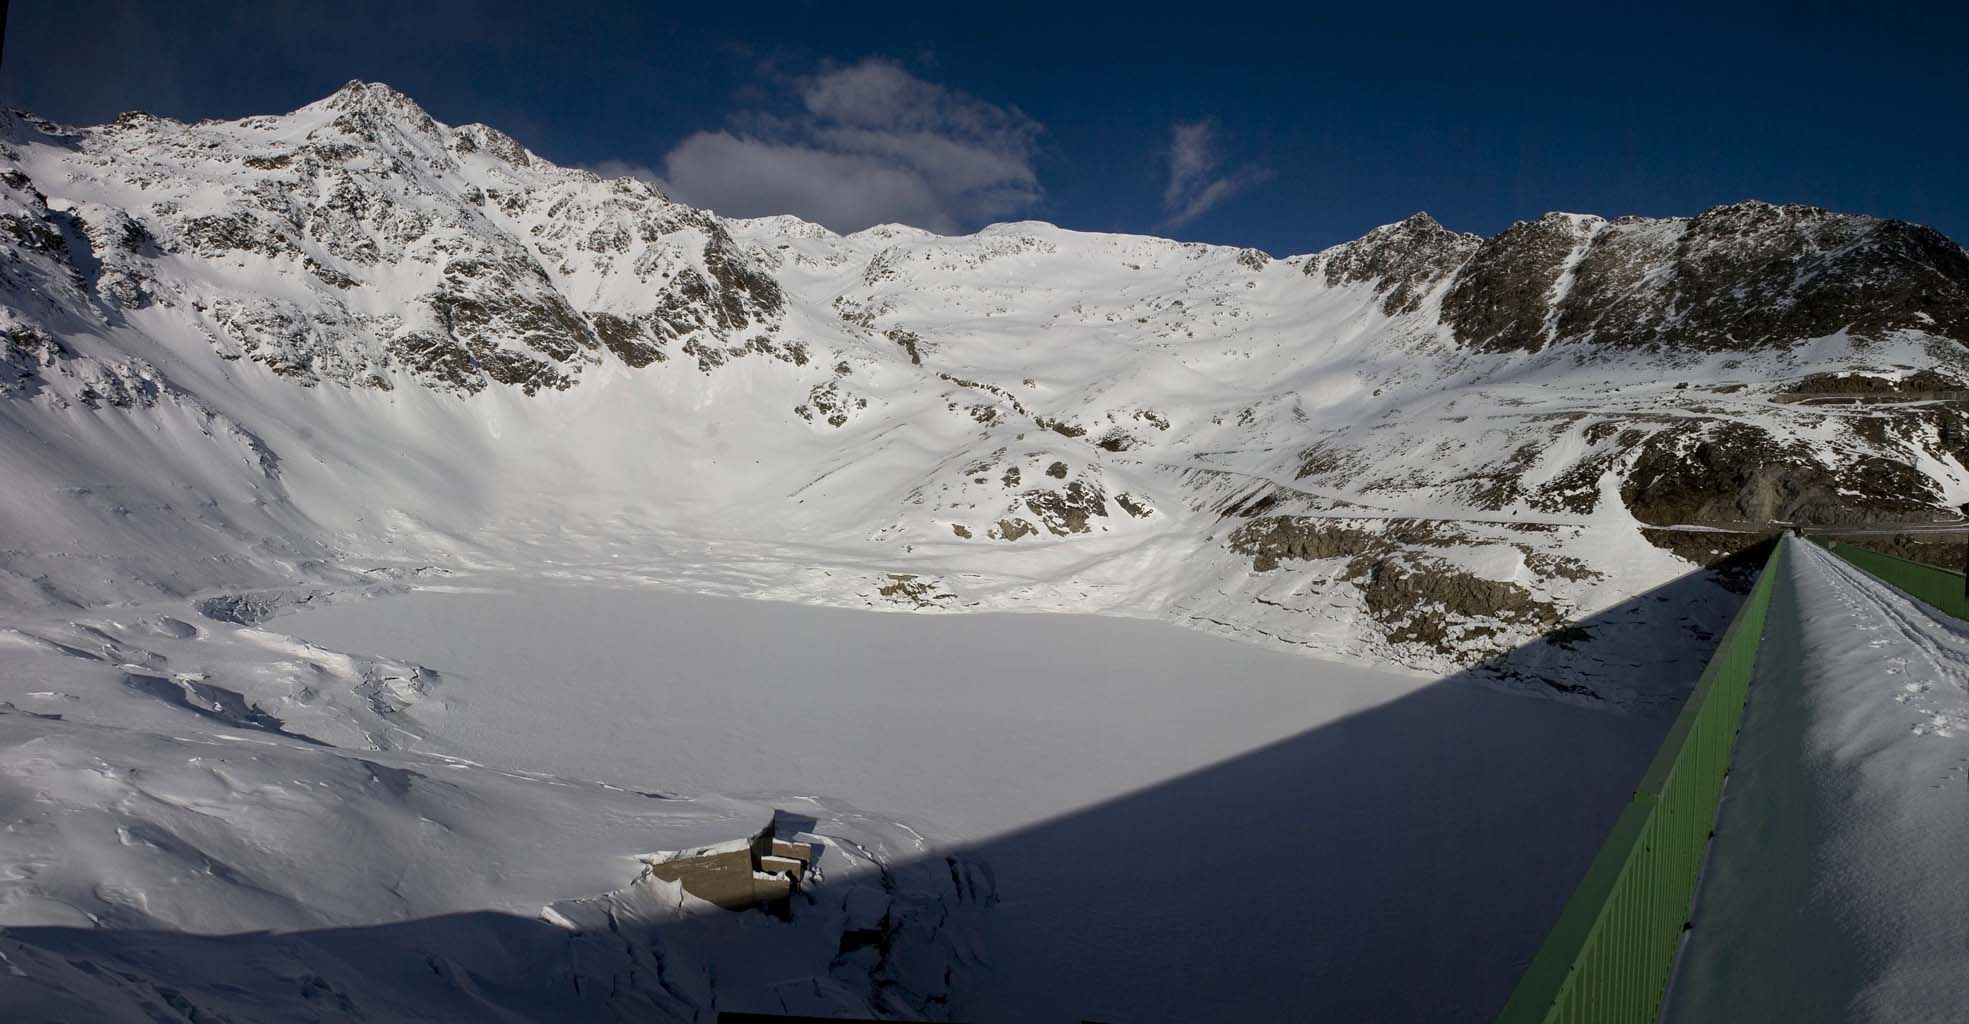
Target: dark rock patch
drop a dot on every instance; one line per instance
(1068, 511)
(1720, 473)
(1405, 261)
(1501, 298)
(1012, 529)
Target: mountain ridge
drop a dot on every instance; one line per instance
(353, 332)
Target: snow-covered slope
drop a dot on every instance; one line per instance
(242, 354)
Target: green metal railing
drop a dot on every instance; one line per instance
(1946, 591)
(1609, 957)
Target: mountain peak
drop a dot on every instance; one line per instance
(358, 93)
(376, 98)
(1404, 260)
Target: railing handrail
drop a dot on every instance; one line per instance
(1638, 888)
(1945, 590)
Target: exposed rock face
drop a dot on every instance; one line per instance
(449, 253)
(1432, 603)
(1272, 539)
(1741, 277)
(1921, 386)
(25, 353)
(1403, 260)
(829, 403)
(1502, 298)
(1420, 598)
(906, 589)
(730, 294)
(482, 308)
(1068, 510)
(1772, 274)
(1012, 529)
(1724, 473)
(630, 339)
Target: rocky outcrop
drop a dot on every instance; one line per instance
(452, 254)
(1416, 596)
(1068, 510)
(1431, 603)
(1724, 473)
(510, 324)
(1404, 261)
(828, 402)
(1747, 276)
(1502, 298)
(1860, 387)
(914, 591)
(26, 352)
(630, 338)
(1269, 540)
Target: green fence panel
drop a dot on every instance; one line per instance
(1944, 590)
(1609, 956)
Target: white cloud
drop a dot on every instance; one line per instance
(1195, 186)
(869, 144)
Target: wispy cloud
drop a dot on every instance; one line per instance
(1196, 184)
(864, 144)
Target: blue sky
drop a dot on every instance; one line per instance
(1287, 128)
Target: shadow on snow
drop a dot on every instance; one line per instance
(1401, 863)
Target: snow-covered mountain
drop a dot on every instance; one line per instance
(315, 358)
(257, 354)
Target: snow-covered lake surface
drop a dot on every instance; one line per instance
(430, 803)
(968, 724)
(1176, 826)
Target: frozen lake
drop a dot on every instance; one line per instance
(967, 724)
(1181, 827)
